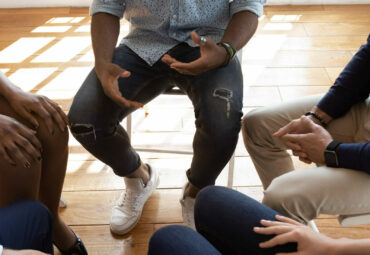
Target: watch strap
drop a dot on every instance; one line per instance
(230, 51)
(333, 145)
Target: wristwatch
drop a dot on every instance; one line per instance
(330, 154)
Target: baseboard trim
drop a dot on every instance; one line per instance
(86, 3)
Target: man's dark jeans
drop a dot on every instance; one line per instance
(224, 219)
(216, 95)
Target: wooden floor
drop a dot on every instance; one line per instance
(297, 51)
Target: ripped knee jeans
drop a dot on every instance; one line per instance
(216, 95)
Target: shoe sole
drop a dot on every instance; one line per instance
(123, 232)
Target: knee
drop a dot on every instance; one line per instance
(37, 209)
(207, 203)
(166, 239)
(254, 126)
(288, 197)
(55, 139)
(36, 213)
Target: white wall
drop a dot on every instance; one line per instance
(78, 3)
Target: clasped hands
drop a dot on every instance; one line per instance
(306, 139)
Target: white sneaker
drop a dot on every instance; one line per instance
(187, 204)
(127, 212)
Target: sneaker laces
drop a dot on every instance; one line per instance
(128, 201)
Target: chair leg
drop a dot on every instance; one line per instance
(230, 176)
(129, 126)
(313, 226)
(62, 203)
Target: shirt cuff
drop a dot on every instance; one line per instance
(116, 9)
(255, 6)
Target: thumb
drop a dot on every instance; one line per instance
(195, 37)
(120, 72)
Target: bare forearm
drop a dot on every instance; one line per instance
(104, 33)
(6, 86)
(346, 246)
(240, 29)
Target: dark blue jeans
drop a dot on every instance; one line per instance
(26, 225)
(216, 95)
(224, 219)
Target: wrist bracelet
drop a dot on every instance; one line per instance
(230, 51)
(322, 122)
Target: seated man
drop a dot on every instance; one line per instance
(333, 132)
(33, 156)
(169, 43)
(229, 222)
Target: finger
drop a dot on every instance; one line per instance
(54, 115)
(29, 117)
(287, 220)
(277, 230)
(127, 103)
(292, 146)
(278, 240)
(294, 138)
(198, 40)
(168, 59)
(5, 156)
(60, 111)
(286, 129)
(15, 154)
(125, 74)
(305, 160)
(185, 72)
(30, 136)
(300, 154)
(269, 223)
(195, 37)
(44, 115)
(28, 148)
(120, 72)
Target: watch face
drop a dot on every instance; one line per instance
(331, 158)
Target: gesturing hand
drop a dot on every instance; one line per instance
(306, 139)
(28, 105)
(108, 74)
(18, 143)
(211, 56)
(290, 231)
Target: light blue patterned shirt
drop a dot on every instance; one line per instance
(156, 26)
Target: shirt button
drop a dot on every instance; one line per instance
(174, 16)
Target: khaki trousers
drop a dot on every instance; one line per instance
(304, 194)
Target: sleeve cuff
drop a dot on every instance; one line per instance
(254, 6)
(354, 156)
(115, 10)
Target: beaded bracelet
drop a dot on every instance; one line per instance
(322, 122)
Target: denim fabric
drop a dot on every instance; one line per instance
(216, 95)
(225, 219)
(157, 26)
(26, 225)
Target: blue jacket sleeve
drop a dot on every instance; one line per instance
(352, 85)
(354, 156)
